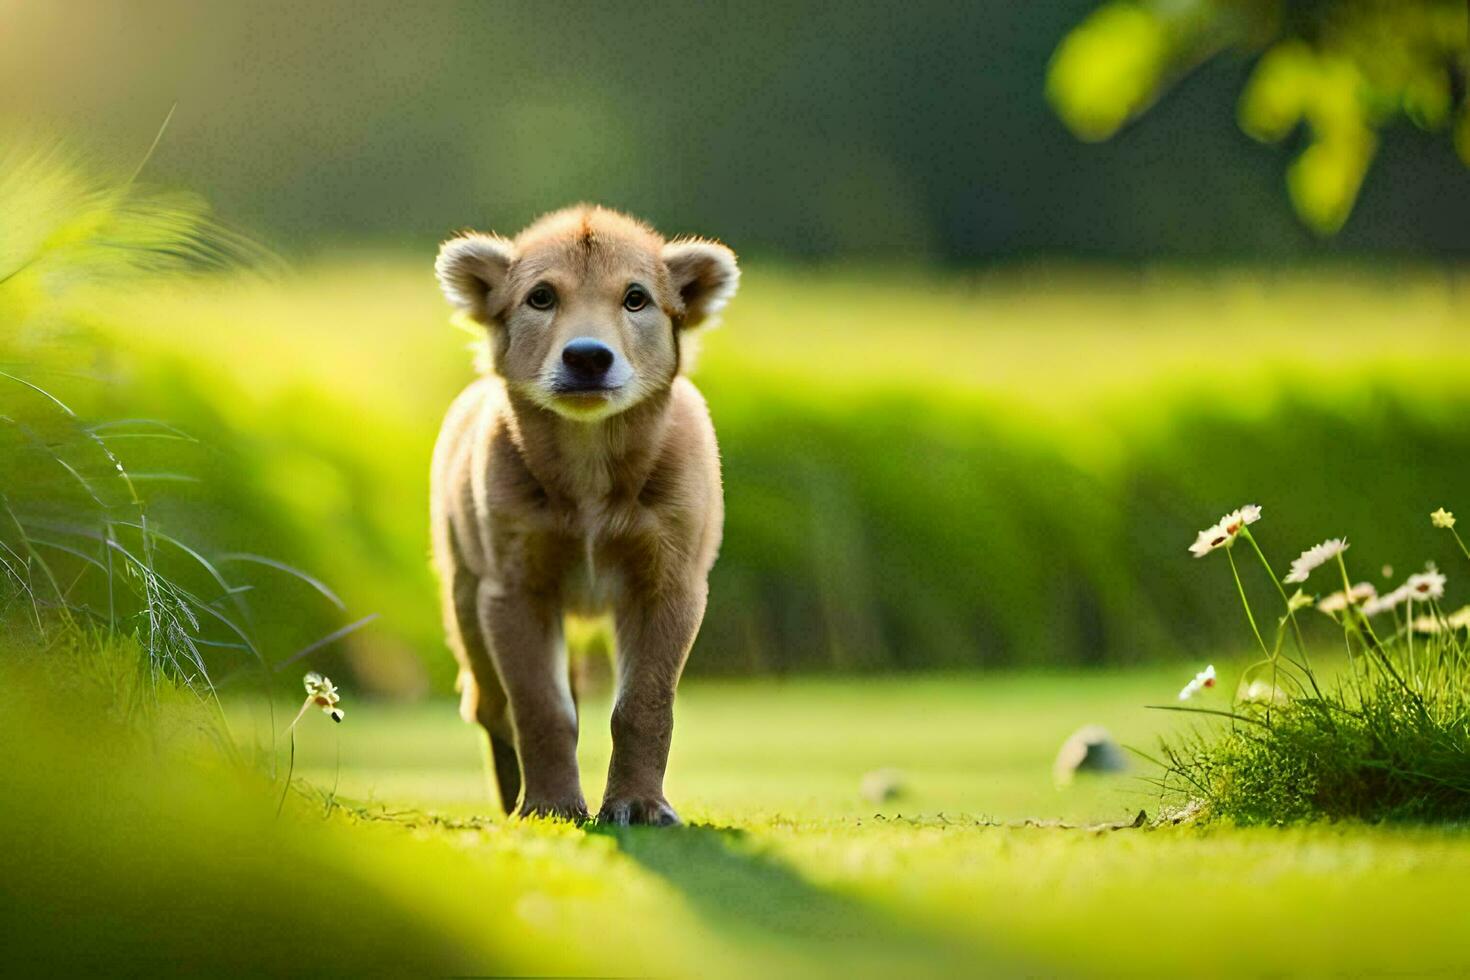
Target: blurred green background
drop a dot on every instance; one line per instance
(916, 132)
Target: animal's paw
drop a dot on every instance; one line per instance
(574, 810)
(625, 811)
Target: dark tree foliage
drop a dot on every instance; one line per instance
(1340, 70)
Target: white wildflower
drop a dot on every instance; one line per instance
(1459, 619)
(1340, 600)
(320, 693)
(1236, 520)
(1223, 533)
(1208, 540)
(1421, 587)
(1442, 518)
(1387, 601)
(1426, 624)
(1428, 584)
(1315, 557)
(1202, 680)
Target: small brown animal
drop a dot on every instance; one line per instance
(579, 476)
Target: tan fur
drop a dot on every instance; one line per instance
(546, 503)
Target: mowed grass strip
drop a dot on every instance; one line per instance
(1047, 338)
(791, 867)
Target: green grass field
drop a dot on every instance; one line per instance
(795, 749)
(915, 462)
(982, 866)
(983, 863)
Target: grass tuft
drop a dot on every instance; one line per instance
(81, 547)
(65, 227)
(1387, 738)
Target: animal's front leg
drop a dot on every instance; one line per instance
(530, 656)
(654, 636)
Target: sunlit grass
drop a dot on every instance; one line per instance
(66, 226)
(963, 745)
(1323, 900)
(146, 850)
(800, 871)
(81, 554)
(784, 870)
(895, 441)
(1058, 342)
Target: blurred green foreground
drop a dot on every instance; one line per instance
(141, 851)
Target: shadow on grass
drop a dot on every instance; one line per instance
(753, 898)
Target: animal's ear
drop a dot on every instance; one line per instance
(472, 271)
(704, 274)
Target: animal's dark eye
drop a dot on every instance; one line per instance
(541, 298)
(635, 299)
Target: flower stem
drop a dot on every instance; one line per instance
(1460, 542)
(1301, 644)
(1376, 646)
(304, 705)
(1350, 608)
(336, 773)
(1250, 617)
(290, 768)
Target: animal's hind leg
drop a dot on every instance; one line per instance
(502, 767)
(482, 698)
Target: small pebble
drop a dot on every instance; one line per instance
(882, 785)
(1089, 749)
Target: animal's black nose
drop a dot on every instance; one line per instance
(587, 358)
